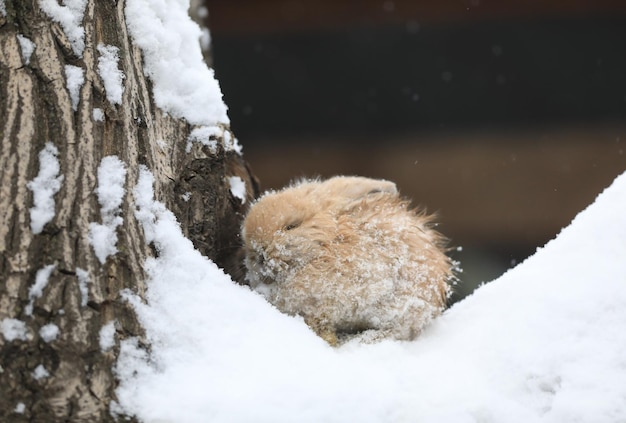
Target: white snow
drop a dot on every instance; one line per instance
(3, 8)
(203, 135)
(49, 332)
(208, 135)
(110, 191)
(70, 17)
(186, 196)
(543, 343)
(170, 41)
(83, 282)
(98, 114)
(40, 372)
(237, 188)
(20, 408)
(75, 79)
(13, 329)
(107, 336)
(44, 186)
(36, 290)
(112, 77)
(27, 47)
(231, 143)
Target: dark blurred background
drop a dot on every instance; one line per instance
(505, 117)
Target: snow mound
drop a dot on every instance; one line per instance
(544, 342)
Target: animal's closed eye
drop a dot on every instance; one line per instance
(293, 225)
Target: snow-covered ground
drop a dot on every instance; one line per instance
(545, 342)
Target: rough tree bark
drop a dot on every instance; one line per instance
(67, 376)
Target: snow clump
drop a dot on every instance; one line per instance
(40, 372)
(44, 186)
(70, 17)
(36, 289)
(83, 282)
(27, 47)
(231, 143)
(75, 79)
(13, 329)
(110, 191)
(112, 77)
(49, 332)
(237, 188)
(204, 135)
(107, 336)
(98, 114)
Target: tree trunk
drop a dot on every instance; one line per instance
(61, 313)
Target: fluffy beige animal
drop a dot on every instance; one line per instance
(349, 256)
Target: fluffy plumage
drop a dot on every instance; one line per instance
(349, 256)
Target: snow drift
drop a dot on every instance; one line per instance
(544, 342)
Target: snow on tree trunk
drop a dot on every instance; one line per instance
(77, 116)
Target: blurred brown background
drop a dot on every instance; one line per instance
(505, 117)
